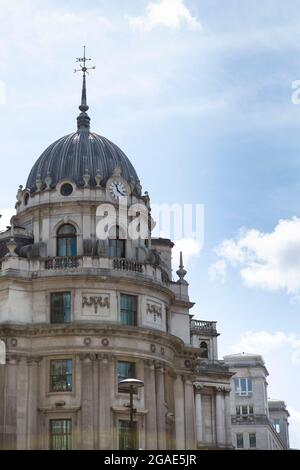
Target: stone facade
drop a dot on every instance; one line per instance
(256, 422)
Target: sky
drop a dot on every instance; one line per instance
(202, 97)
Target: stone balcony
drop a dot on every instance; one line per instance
(82, 265)
(202, 326)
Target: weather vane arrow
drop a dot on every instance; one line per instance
(82, 64)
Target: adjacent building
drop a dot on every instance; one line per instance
(257, 423)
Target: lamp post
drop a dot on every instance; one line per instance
(130, 386)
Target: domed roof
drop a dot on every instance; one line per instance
(82, 152)
(79, 153)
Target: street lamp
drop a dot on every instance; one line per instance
(130, 386)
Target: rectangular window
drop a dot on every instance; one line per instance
(61, 375)
(128, 310)
(126, 370)
(243, 386)
(127, 437)
(244, 410)
(252, 440)
(117, 248)
(61, 307)
(277, 425)
(240, 441)
(60, 434)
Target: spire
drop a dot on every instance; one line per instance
(83, 120)
(181, 273)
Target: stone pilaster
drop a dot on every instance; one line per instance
(150, 405)
(220, 417)
(87, 410)
(160, 406)
(179, 413)
(105, 385)
(190, 424)
(199, 416)
(32, 403)
(228, 432)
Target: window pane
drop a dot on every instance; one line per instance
(61, 307)
(127, 437)
(117, 248)
(251, 409)
(252, 440)
(249, 384)
(240, 441)
(128, 310)
(61, 375)
(126, 370)
(277, 425)
(244, 410)
(61, 434)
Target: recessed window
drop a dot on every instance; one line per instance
(243, 386)
(60, 434)
(128, 310)
(117, 245)
(66, 189)
(61, 375)
(204, 349)
(26, 199)
(252, 440)
(67, 240)
(61, 307)
(126, 370)
(277, 425)
(240, 441)
(127, 436)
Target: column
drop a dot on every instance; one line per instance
(179, 413)
(198, 405)
(220, 416)
(87, 412)
(32, 403)
(150, 405)
(105, 386)
(10, 404)
(228, 432)
(190, 428)
(160, 406)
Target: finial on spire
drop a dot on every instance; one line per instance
(83, 120)
(181, 273)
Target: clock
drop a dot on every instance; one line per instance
(117, 189)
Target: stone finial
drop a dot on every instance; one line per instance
(19, 193)
(48, 180)
(181, 272)
(38, 182)
(98, 179)
(117, 171)
(11, 245)
(86, 178)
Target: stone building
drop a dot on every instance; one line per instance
(257, 423)
(79, 313)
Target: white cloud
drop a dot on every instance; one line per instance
(5, 219)
(218, 271)
(269, 261)
(265, 343)
(168, 13)
(189, 247)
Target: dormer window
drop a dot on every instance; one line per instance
(67, 240)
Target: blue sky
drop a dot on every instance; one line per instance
(198, 95)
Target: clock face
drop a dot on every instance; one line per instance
(117, 189)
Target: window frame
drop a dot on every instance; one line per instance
(276, 424)
(239, 389)
(251, 434)
(135, 312)
(240, 435)
(52, 435)
(239, 410)
(135, 435)
(72, 236)
(67, 390)
(125, 361)
(52, 294)
(115, 244)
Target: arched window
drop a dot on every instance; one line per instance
(117, 245)
(204, 349)
(26, 199)
(66, 241)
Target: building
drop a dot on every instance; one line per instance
(79, 313)
(256, 422)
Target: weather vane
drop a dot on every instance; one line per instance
(82, 64)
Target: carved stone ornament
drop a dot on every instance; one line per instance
(155, 310)
(96, 301)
